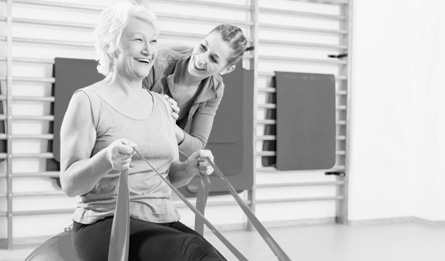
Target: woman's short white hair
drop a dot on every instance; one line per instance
(110, 27)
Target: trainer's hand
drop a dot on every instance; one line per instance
(119, 153)
(173, 105)
(198, 163)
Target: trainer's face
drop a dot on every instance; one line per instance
(210, 57)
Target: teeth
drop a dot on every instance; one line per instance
(143, 60)
(197, 66)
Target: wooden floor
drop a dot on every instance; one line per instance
(330, 242)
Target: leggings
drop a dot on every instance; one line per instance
(148, 242)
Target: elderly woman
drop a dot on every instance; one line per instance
(103, 125)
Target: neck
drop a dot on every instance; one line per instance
(126, 85)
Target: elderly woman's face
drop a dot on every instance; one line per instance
(138, 49)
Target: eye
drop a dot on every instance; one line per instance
(138, 39)
(213, 59)
(202, 47)
(154, 41)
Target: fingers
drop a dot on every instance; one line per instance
(173, 105)
(203, 165)
(119, 153)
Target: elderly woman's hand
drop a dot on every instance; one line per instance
(197, 163)
(119, 153)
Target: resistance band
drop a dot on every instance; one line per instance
(120, 230)
(209, 225)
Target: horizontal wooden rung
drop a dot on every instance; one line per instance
(304, 44)
(61, 5)
(46, 174)
(266, 137)
(34, 79)
(32, 136)
(32, 60)
(43, 212)
(33, 98)
(267, 106)
(52, 23)
(302, 60)
(32, 118)
(266, 169)
(299, 13)
(208, 3)
(44, 155)
(39, 194)
(202, 19)
(293, 29)
(300, 184)
(266, 122)
(266, 153)
(267, 89)
(290, 200)
(52, 42)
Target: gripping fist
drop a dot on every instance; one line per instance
(119, 153)
(198, 164)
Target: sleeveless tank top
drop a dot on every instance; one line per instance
(150, 197)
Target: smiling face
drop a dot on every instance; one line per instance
(138, 50)
(209, 57)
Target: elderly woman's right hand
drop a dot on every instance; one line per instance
(119, 153)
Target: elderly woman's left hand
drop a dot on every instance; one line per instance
(197, 163)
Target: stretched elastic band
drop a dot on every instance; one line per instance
(120, 230)
(208, 224)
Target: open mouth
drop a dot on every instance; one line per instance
(143, 60)
(198, 67)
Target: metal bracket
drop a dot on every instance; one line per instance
(336, 173)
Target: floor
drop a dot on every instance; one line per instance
(330, 242)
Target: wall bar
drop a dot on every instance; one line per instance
(302, 29)
(304, 14)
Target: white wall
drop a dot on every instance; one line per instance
(397, 145)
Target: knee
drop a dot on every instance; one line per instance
(197, 248)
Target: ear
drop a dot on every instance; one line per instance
(228, 70)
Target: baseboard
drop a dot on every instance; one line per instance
(395, 220)
(275, 224)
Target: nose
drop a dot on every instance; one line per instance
(202, 59)
(148, 50)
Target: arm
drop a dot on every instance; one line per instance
(201, 126)
(182, 172)
(79, 171)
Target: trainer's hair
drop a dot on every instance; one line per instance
(237, 41)
(110, 27)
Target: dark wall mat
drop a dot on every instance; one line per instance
(306, 126)
(3, 143)
(71, 75)
(234, 157)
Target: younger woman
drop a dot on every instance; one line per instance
(192, 77)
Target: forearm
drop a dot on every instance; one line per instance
(81, 176)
